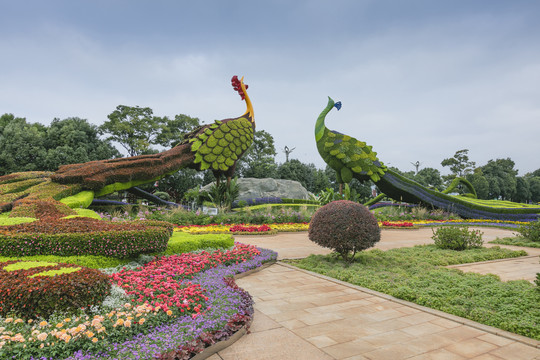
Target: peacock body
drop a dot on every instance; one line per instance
(351, 158)
(219, 146)
(348, 156)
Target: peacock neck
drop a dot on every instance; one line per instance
(319, 125)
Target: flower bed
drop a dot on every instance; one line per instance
(178, 304)
(397, 225)
(242, 228)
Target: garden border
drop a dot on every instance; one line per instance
(489, 329)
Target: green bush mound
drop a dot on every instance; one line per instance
(531, 231)
(418, 274)
(32, 289)
(85, 236)
(182, 242)
(457, 238)
(345, 227)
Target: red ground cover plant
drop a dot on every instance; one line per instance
(397, 225)
(31, 296)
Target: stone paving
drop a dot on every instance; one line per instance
(302, 315)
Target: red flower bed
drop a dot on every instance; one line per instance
(164, 283)
(397, 225)
(244, 228)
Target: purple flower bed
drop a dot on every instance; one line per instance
(230, 309)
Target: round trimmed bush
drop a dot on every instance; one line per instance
(32, 289)
(344, 226)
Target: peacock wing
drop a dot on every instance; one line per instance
(356, 156)
(222, 143)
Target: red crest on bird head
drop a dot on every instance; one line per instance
(237, 86)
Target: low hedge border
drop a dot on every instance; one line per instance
(119, 244)
(183, 242)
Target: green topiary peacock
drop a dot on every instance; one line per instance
(353, 158)
(346, 155)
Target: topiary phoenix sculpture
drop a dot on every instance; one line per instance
(351, 158)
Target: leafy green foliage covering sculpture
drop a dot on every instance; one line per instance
(58, 194)
(351, 158)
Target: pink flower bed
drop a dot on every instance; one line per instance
(244, 228)
(164, 283)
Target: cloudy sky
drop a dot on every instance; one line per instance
(418, 79)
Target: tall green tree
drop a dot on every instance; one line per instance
(480, 183)
(136, 129)
(501, 176)
(429, 177)
(21, 145)
(523, 192)
(74, 140)
(459, 164)
(259, 160)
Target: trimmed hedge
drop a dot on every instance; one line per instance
(31, 289)
(84, 236)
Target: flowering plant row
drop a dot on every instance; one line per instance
(188, 301)
(250, 229)
(227, 228)
(398, 224)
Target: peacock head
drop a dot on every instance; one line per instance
(240, 87)
(338, 105)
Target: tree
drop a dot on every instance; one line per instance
(459, 164)
(534, 188)
(21, 145)
(501, 176)
(429, 177)
(74, 140)
(136, 129)
(523, 192)
(303, 173)
(480, 183)
(259, 160)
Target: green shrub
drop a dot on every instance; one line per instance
(182, 242)
(457, 238)
(345, 227)
(163, 195)
(531, 231)
(32, 289)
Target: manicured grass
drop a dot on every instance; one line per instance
(516, 241)
(418, 274)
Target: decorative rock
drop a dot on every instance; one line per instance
(251, 188)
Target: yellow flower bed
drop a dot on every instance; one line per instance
(224, 229)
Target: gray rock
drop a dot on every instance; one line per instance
(251, 188)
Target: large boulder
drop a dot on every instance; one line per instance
(251, 188)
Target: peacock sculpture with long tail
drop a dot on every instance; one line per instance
(216, 146)
(351, 158)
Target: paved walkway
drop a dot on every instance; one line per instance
(301, 315)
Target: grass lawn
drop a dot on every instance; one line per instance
(516, 241)
(418, 274)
